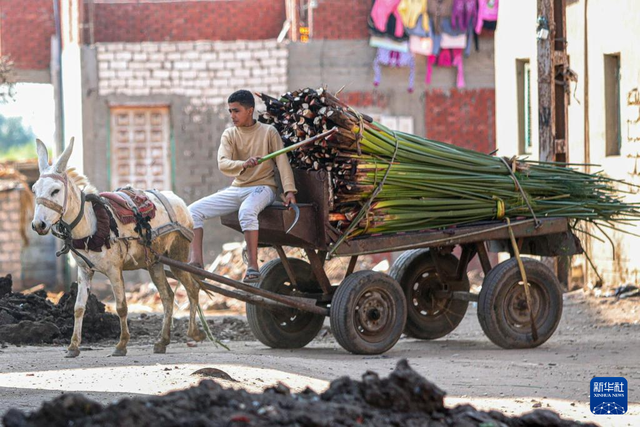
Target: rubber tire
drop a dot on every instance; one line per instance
(404, 271)
(343, 312)
(495, 288)
(265, 324)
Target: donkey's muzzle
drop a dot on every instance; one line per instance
(40, 227)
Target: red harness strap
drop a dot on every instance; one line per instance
(101, 237)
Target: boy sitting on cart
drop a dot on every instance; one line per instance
(254, 186)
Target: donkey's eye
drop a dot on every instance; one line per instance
(54, 192)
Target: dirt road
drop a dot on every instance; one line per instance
(465, 364)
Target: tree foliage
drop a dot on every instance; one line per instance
(13, 133)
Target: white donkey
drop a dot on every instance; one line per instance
(59, 192)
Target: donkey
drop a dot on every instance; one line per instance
(59, 192)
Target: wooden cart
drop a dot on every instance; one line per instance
(425, 294)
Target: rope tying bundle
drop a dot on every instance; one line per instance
(365, 208)
(519, 188)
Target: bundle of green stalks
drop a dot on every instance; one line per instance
(386, 181)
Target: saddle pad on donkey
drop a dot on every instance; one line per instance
(121, 207)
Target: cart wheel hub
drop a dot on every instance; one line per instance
(373, 312)
(424, 296)
(517, 307)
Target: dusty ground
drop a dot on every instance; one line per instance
(464, 364)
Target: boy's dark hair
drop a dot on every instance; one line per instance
(243, 97)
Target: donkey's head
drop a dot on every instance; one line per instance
(51, 190)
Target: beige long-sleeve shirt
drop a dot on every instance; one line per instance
(240, 143)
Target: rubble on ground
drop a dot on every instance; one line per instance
(404, 398)
(33, 319)
(5, 285)
(623, 292)
(145, 328)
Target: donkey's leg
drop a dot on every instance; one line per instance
(193, 290)
(84, 280)
(117, 283)
(159, 279)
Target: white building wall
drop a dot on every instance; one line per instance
(612, 29)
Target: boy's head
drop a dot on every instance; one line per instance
(241, 106)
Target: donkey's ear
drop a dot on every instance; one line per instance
(43, 156)
(61, 164)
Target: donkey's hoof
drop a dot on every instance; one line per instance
(118, 352)
(159, 348)
(198, 337)
(72, 353)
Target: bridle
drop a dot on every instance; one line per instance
(62, 209)
(63, 229)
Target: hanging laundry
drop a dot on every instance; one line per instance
(421, 45)
(437, 10)
(389, 33)
(387, 43)
(381, 11)
(487, 12)
(464, 14)
(447, 58)
(490, 25)
(414, 16)
(394, 59)
(453, 42)
(455, 36)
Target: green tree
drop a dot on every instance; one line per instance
(16, 140)
(13, 133)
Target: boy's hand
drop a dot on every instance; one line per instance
(252, 162)
(289, 198)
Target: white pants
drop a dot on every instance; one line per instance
(248, 201)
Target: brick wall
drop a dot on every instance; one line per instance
(341, 19)
(462, 117)
(26, 28)
(206, 72)
(365, 99)
(221, 20)
(10, 240)
(190, 20)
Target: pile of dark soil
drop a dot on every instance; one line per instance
(5, 285)
(32, 319)
(145, 328)
(403, 399)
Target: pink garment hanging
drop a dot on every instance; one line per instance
(447, 58)
(487, 11)
(380, 13)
